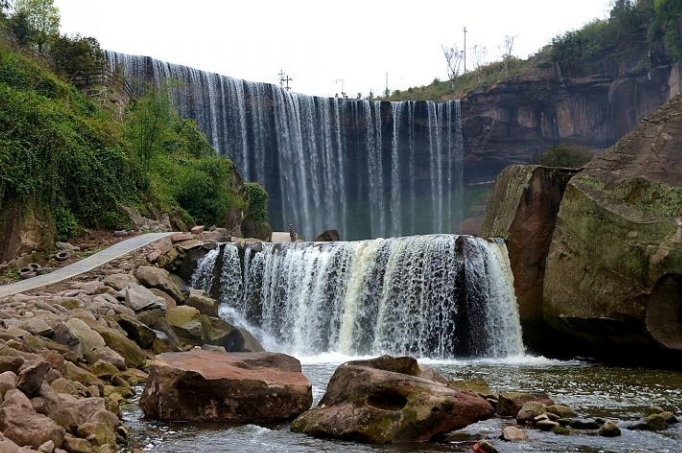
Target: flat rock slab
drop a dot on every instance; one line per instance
(201, 385)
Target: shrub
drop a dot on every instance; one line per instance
(567, 156)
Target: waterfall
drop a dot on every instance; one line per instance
(438, 296)
(366, 168)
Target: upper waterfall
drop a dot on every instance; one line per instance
(367, 168)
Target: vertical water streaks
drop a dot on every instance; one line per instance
(438, 296)
(367, 168)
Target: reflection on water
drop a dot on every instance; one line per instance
(592, 390)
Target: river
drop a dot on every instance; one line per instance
(591, 389)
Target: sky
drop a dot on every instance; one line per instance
(324, 47)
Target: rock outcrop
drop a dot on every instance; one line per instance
(203, 385)
(614, 272)
(516, 120)
(522, 210)
(388, 400)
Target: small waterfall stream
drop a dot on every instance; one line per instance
(437, 296)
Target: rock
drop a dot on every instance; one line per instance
(613, 274)
(529, 411)
(61, 385)
(583, 423)
(75, 373)
(181, 237)
(609, 429)
(8, 381)
(138, 332)
(108, 355)
(669, 417)
(154, 277)
(197, 229)
(119, 281)
(546, 425)
(132, 354)
(522, 210)
(199, 299)
(59, 245)
(186, 321)
(73, 444)
(32, 377)
(100, 429)
(509, 403)
(653, 422)
(9, 363)
(514, 434)
(20, 423)
(188, 246)
(327, 236)
(484, 446)
(47, 447)
(88, 339)
(237, 388)
(37, 326)
(561, 410)
(479, 386)
(93, 288)
(27, 226)
(139, 298)
(384, 400)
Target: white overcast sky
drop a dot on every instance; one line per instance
(319, 42)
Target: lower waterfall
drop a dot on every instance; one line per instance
(437, 296)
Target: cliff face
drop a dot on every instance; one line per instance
(522, 210)
(614, 271)
(516, 120)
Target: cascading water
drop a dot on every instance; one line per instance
(438, 296)
(367, 168)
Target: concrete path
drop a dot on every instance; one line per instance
(82, 266)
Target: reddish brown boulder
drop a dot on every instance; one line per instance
(20, 423)
(390, 400)
(201, 385)
(510, 403)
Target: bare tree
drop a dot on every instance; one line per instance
(506, 49)
(453, 58)
(478, 56)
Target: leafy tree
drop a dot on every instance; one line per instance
(669, 17)
(20, 27)
(43, 19)
(147, 125)
(76, 56)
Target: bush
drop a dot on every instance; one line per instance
(567, 156)
(77, 56)
(257, 199)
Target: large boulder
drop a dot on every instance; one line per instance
(390, 400)
(201, 385)
(614, 272)
(154, 277)
(522, 210)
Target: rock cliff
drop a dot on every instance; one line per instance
(522, 210)
(516, 120)
(614, 270)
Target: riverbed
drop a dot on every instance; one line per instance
(592, 389)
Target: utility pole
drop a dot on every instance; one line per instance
(465, 50)
(284, 80)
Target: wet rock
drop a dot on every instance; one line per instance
(514, 434)
(529, 411)
(510, 403)
(186, 321)
(547, 425)
(239, 388)
(386, 400)
(200, 300)
(74, 444)
(669, 417)
(484, 446)
(583, 423)
(609, 429)
(327, 236)
(560, 410)
(19, 422)
(653, 422)
(479, 386)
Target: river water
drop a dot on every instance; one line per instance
(591, 389)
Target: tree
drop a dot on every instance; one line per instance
(453, 58)
(43, 19)
(478, 54)
(4, 5)
(507, 47)
(76, 56)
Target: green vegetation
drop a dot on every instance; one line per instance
(62, 151)
(566, 156)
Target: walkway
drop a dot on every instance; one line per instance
(82, 266)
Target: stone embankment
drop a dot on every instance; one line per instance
(72, 353)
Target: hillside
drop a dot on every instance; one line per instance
(74, 159)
